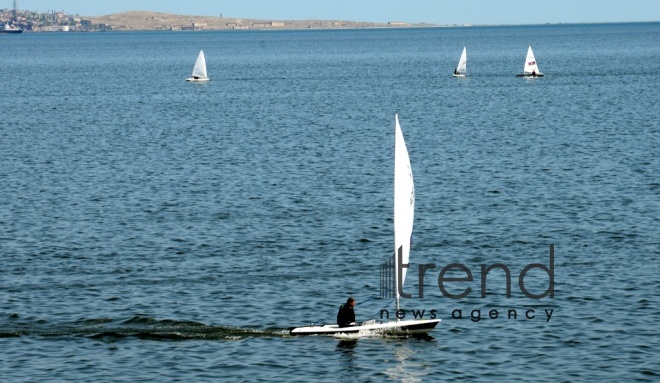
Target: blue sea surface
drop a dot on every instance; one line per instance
(157, 230)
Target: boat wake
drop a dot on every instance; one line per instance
(148, 328)
(140, 327)
(378, 334)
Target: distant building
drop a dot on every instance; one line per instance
(237, 26)
(396, 23)
(60, 17)
(269, 24)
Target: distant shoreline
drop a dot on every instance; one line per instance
(158, 21)
(154, 21)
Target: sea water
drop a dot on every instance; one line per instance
(158, 230)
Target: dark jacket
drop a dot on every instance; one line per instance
(345, 316)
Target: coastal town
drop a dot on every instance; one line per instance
(34, 21)
(61, 21)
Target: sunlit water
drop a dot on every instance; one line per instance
(158, 230)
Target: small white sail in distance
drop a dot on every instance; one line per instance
(199, 71)
(530, 63)
(461, 69)
(404, 206)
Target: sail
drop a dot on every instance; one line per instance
(530, 63)
(404, 205)
(462, 63)
(200, 66)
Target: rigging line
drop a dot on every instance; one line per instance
(382, 308)
(368, 299)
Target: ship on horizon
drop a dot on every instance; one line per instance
(10, 29)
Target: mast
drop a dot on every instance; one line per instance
(396, 250)
(396, 280)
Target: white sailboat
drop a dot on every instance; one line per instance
(461, 69)
(199, 71)
(404, 211)
(531, 69)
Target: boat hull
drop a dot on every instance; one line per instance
(529, 75)
(411, 327)
(459, 75)
(191, 79)
(11, 31)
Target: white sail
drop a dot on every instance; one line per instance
(462, 63)
(530, 63)
(404, 205)
(200, 66)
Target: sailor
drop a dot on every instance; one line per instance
(346, 315)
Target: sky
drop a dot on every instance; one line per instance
(412, 11)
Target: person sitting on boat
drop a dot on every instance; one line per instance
(455, 72)
(533, 73)
(346, 315)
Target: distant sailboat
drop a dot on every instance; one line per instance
(199, 71)
(461, 69)
(530, 69)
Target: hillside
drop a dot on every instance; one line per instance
(145, 20)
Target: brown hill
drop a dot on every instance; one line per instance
(145, 20)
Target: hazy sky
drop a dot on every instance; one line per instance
(431, 11)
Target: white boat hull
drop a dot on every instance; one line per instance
(459, 75)
(10, 29)
(191, 79)
(408, 327)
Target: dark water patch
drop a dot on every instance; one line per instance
(94, 321)
(9, 334)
